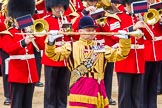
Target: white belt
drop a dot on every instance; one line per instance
(158, 38)
(40, 11)
(136, 46)
(22, 57)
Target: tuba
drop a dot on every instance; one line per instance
(151, 17)
(40, 26)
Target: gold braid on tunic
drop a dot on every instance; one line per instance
(76, 53)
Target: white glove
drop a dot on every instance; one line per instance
(52, 38)
(54, 35)
(122, 35)
(53, 32)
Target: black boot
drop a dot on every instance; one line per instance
(112, 102)
(39, 84)
(7, 101)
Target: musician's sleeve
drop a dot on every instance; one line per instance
(113, 55)
(59, 53)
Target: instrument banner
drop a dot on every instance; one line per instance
(24, 21)
(156, 6)
(139, 7)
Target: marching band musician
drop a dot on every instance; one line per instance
(85, 55)
(22, 72)
(153, 58)
(4, 55)
(40, 12)
(130, 70)
(57, 74)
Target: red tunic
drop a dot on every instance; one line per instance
(21, 68)
(54, 25)
(2, 28)
(134, 63)
(41, 10)
(74, 6)
(153, 46)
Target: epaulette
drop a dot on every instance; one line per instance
(9, 28)
(38, 2)
(112, 16)
(7, 31)
(75, 14)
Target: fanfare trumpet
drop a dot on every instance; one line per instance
(138, 33)
(40, 26)
(152, 16)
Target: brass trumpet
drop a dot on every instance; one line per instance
(152, 16)
(40, 26)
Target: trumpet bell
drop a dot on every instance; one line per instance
(160, 12)
(151, 17)
(40, 26)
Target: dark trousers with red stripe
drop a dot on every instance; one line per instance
(38, 62)
(150, 84)
(159, 85)
(6, 84)
(0, 70)
(129, 90)
(22, 95)
(56, 87)
(108, 78)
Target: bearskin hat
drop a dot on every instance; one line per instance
(128, 1)
(52, 3)
(18, 8)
